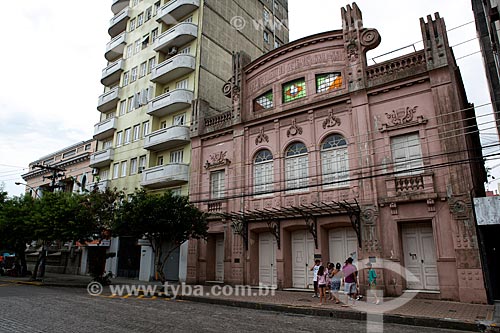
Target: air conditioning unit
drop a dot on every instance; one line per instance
(95, 171)
(172, 51)
(141, 169)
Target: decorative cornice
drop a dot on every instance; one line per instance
(217, 159)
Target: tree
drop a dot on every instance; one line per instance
(161, 219)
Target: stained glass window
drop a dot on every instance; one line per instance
(294, 90)
(327, 82)
(264, 101)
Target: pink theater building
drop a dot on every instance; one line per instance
(322, 156)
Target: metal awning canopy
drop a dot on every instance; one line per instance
(309, 213)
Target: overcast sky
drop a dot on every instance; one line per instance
(53, 54)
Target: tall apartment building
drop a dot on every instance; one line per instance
(168, 60)
(487, 20)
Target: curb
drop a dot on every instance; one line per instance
(341, 314)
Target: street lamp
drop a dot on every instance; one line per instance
(33, 189)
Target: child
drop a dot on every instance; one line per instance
(335, 276)
(322, 284)
(315, 270)
(372, 282)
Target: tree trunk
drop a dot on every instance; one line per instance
(41, 257)
(164, 261)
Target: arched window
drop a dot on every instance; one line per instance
(263, 172)
(296, 167)
(334, 162)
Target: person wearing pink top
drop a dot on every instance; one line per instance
(350, 273)
(322, 284)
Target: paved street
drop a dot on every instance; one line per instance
(42, 309)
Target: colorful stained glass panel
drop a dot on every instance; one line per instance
(263, 102)
(294, 90)
(327, 82)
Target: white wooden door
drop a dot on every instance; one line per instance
(303, 259)
(420, 257)
(267, 259)
(343, 243)
(219, 258)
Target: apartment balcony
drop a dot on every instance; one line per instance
(410, 187)
(105, 129)
(112, 73)
(115, 47)
(216, 206)
(177, 36)
(109, 100)
(165, 175)
(101, 185)
(102, 158)
(175, 10)
(167, 138)
(170, 102)
(119, 5)
(118, 23)
(173, 68)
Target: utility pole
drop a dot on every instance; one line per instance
(54, 176)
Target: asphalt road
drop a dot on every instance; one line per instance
(34, 309)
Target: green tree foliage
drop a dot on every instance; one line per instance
(164, 219)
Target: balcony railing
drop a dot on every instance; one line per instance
(102, 158)
(410, 185)
(165, 175)
(177, 36)
(119, 5)
(173, 68)
(174, 10)
(112, 73)
(170, 102)
(167, 138)
(108, 100)
(105, 129)
(118, 23)
(115, 47)
(101, 185)
(218, 206)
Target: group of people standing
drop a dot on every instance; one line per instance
(333, 276)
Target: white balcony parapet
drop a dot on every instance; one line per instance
(118, 23)
(112, 73)
(170, 102)
(174, 10)
(173, 68)
(176, 36)
(101, 185)
(115, 47)
(108, 100)
(167, 138)
(119, 5)
(102, 158)
(165, 175)
(105, 128)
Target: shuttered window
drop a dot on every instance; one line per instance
(407, 154)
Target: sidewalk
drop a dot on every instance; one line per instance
(415, 312)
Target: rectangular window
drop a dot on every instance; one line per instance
(124, 169)
(107, 144)
(163, 124)
(148, 13)
(151, 64)
(154, 35)
(179, 120)
(87, 146)
(407, 154)
(156, 7)
(145, 41)
(263, 178)
(133, 166)
(133, 75)
(140, 19)
(131, 25)
(130, 51)
(128, 132)
(217, 185)
(327, 82)
(142, 70)
(69, 154)
(177, 156)
(123, 107)
(104, 174)
(145, 128)
(160, 160)
(266, 37)
(125, 78)
(183, 84)
(137, 132)
(116, 170)
(119, 138)
(264, 101)
(142, 163)
(137, 46)
(294, 90)
(130, 104)
(176, 191)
